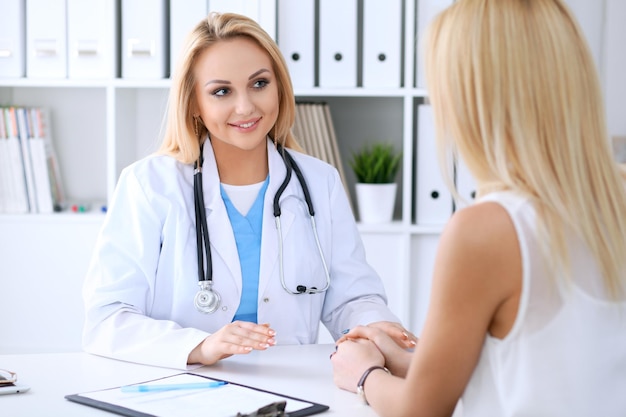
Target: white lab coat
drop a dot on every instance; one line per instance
(140, 286)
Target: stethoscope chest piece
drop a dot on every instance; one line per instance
(206, 300)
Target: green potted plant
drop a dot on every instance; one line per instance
(375, 167)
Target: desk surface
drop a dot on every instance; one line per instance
(300, 371)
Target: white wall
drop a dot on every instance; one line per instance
(40, 299)
(604, 24)
(615, 66)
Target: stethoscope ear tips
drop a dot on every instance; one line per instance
(302, 289)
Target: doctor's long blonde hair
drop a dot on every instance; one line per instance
(515, 92)
(180, 139)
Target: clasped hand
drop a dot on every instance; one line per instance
(378, 344)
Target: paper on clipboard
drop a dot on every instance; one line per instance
(226, 400)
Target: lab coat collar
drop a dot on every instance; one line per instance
(220, 232)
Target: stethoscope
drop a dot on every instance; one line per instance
(207, 300)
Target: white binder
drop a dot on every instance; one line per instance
(434, 200)
(145, 25)
(12, 39)
(184, 16)
(382, 53)
(91, 38)
(338, 43)
(465, 185)
(296, 39)
(426, 10)
(244, 7)
(46, 39)
(262, 11)
(268, 16)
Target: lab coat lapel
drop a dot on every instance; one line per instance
(220, 230)
(270, 239)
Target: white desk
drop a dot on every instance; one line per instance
(300, 371)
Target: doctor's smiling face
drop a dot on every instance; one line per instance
(237, 93)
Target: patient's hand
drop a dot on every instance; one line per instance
(394, 348)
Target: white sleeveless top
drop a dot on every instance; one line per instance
(566, 352)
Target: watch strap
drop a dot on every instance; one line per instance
(360, 390)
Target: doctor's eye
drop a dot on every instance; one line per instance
(261, 83)
(220, 92)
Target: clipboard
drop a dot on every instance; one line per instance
(225, 400)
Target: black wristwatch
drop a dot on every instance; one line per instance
(359, 387)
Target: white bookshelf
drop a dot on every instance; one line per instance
(101, 126)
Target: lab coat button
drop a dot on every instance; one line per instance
(266, 300)
(224, 308)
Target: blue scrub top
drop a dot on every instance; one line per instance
(248, 230)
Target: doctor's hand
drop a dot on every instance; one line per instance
(397, 357)
(238, 337)
(399, 334)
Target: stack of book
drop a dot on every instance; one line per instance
(30, 181)
(315, 132)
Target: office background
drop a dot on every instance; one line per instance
(101, 68)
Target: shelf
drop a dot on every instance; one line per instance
(53, 82)
(95, 217)
(100, 126)
(92, 217)
(359, 92)
(165, 83)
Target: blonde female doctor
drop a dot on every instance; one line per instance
(193, 264)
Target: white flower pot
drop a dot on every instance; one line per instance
(376, 202)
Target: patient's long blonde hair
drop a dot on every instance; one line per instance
(516, 93)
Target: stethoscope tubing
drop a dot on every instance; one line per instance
(202, 232)
(291, 165)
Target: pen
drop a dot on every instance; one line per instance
(345, 331)
(170, 387)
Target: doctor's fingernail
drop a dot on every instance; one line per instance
(271, 341)
(271, 332)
